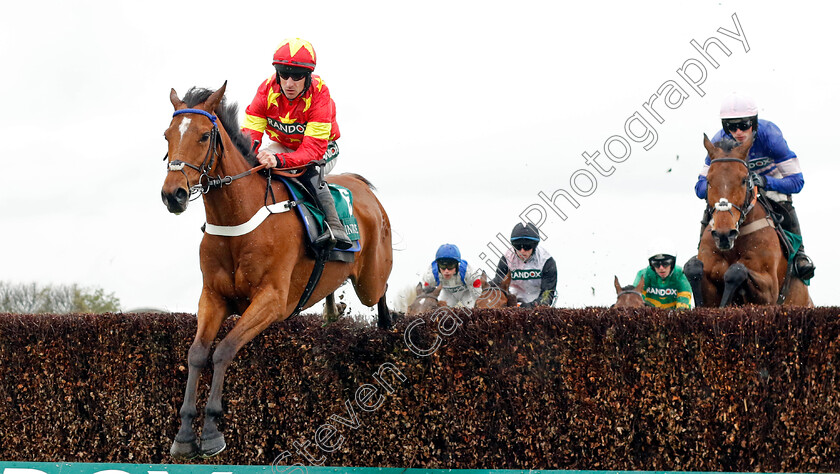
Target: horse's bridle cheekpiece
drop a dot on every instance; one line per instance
(205, 181)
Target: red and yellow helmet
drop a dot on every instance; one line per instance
(295, 52)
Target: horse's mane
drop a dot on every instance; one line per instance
(229, 116)
(727, 144)
(628, 288)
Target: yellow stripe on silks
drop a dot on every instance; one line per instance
(684, 294)
(318, 130)
(657, 304)
(254, 123)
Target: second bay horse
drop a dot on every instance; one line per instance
(740, 258)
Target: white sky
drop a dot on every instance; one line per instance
(459, 112)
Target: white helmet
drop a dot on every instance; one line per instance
(737, 105)
(660, 247)
(661, 250)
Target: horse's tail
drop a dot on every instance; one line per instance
(362, 179)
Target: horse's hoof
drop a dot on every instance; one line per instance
(184, 450)
(212, 447)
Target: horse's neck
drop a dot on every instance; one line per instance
(237, 202)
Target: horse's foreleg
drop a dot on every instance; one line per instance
(734, 277)
(210, 315)
(262, 311)
(332, 311)
(693, 270)
(384, 314)
(763, 287)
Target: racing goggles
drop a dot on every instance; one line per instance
(524, 245)
(742, 125)
(660, 262)
(295, 77)
(447, 264)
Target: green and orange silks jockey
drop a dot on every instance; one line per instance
(295, 109)
(665, 284)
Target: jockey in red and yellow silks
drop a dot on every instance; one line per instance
(305, 124)
(295, 109)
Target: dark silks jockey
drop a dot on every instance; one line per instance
(533, 272)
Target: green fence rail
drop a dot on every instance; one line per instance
(108, 468)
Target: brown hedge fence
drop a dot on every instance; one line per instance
(749, 389)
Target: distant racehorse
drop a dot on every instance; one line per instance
(740, 258)
(495, 296)
(629, 296)
(261, 271)
(424, 302)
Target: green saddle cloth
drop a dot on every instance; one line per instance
(343, 199)
(795, 241)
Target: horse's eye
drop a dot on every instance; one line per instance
(205, 137)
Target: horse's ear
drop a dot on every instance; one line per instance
(176, 101)
(436, 291)
(483, 279)
(743, 149)
(710, 149)
(215, 98)
(641, 286)
(505, 284)
(617, 285)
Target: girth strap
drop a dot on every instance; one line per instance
(321, 256)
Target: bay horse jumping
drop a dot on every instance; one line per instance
(629, 296)
(740, 258)
(260, 274)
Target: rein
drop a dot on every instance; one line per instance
(214, 150)
(749, 199)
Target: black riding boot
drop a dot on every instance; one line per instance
(802, 264)
(335, 229)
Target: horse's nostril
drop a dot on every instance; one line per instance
(181, 195)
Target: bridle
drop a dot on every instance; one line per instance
(631, 292)
(749, 199)
(215, 150)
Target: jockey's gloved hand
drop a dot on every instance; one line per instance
(546, 298)
(759, 181)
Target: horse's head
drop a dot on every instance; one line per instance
(495, 296)
(194, 147)
(629, 296)
(426, 300)
(730, 193)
